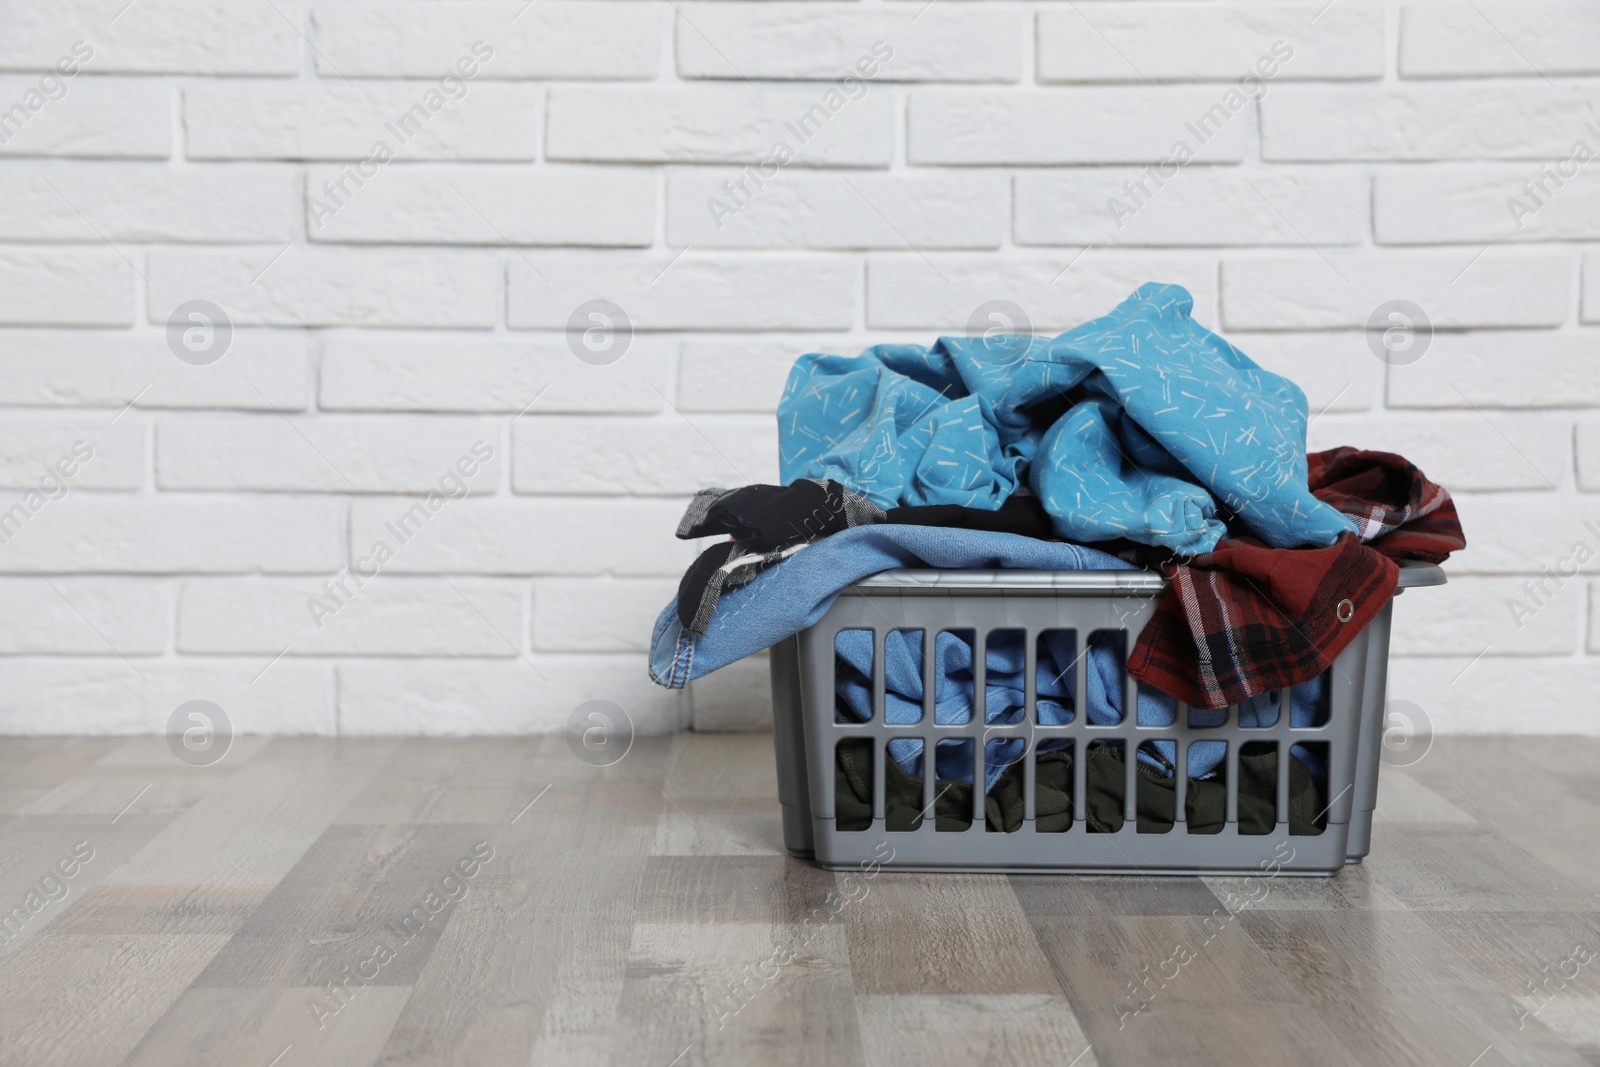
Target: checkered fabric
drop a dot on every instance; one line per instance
(1246, 619)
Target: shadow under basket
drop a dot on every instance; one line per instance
(1070, 795)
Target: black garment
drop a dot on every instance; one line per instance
(763, 518)
(769, 523)
(1018, 515)
(1205, 807)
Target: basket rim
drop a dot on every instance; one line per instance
(1414, 574)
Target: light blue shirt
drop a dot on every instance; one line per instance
(1138, 424)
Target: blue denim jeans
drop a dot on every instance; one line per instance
(797, 592)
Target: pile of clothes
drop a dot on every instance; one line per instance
(1137, 440)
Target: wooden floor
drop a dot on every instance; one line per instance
(486, 902)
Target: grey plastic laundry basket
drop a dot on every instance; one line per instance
(933, 601)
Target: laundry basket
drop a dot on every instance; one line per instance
(808, 731)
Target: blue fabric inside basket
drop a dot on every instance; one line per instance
(1004, 666)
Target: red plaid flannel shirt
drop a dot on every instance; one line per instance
(1246, 619)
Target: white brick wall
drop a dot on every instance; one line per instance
(607, 42)
(170, 37)
(953, 43)
(401, 205)
(1138, 42)
(95, 118)
(77, 287)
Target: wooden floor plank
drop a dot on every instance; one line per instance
(1395, 992)
(88, 1001)
(537, 958)
(1541, 802)
(36, 851)
(718, 828)
(163, 910)
(302, 1025)
(739, 888)
(362, 893)
(1142, 987)
(1575, 1020)
(57, 755)
(1525, 953)
(952, 934)
(1354, 890)
(1403, 798)
(258, 822)
(716, 766)
(739, 993)
(450, 780)
(1469, 869)
(981, 1031)
(1086, 896)
(646, 913)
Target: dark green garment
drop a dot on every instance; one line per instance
(1205, 806)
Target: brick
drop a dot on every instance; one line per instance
(338, 121)
(1532, 120)
(1551, 37)
(82, 695)
(99, 203)
(721, 124)
(1594, 613)
(49, 368)
(1190, 206)
(516, 537)
(1588, 456)
(943, 292)
(590, 616)
(364, 373)
(333, 453)
(83, 616)
(1515, 533)
(384, 616)
(1336, 370)
(89, 287)
(1450, 204)
(330, 287)
(1145, 42)
(735, 699)
(1498, 696)
(167, 37)
(614, 41)
(561, 454)
(99, 454)
(536, 695)
(483, 205)
(1463, 370)
(1470, 614)
(1591, 288)
(92, 118)
(690, 292)
(1462, 452)
(1500, 288)
(1078, 125)
(708, 209)
(172, 535)
(746, 372)
(812, 41)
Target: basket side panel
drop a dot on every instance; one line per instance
(1172, 852)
